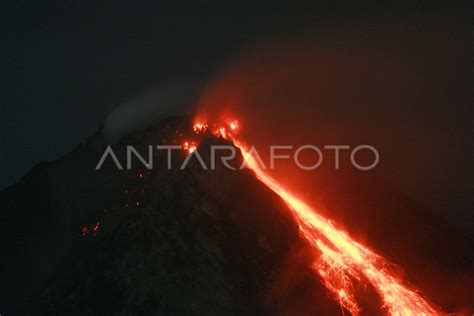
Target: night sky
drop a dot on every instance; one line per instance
(66, 64)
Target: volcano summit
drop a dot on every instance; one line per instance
(195, 242)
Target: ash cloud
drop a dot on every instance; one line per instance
(156, 103)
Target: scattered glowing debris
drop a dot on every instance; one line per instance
(200, 127)
(95, 229)
(85, 231)
(234, 125)
(220, 132)
(189, 146)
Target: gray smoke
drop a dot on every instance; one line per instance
(160, 101)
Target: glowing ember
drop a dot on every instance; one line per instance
(85, 231)
(200, 127)
(341, 259)
(234, 125)
(95, 229)
(189, 146)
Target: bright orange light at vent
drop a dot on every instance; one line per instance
(200, 127)
(234, 125)
(341, 261)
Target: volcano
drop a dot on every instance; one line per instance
(199, 242)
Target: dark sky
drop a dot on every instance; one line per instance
(66, 64)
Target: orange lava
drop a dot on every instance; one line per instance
(200, 127)
(341, 260)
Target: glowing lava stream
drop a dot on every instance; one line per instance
(341, 258)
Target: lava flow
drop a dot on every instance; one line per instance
(341, 260)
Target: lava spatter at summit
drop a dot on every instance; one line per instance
(340, 261)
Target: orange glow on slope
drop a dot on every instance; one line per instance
(341, 259)
(217, 130)
(189, 146)
(200, 127)
(234, 125)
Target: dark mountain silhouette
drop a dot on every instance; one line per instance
(76, 240)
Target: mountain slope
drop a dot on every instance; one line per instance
(189, 242)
